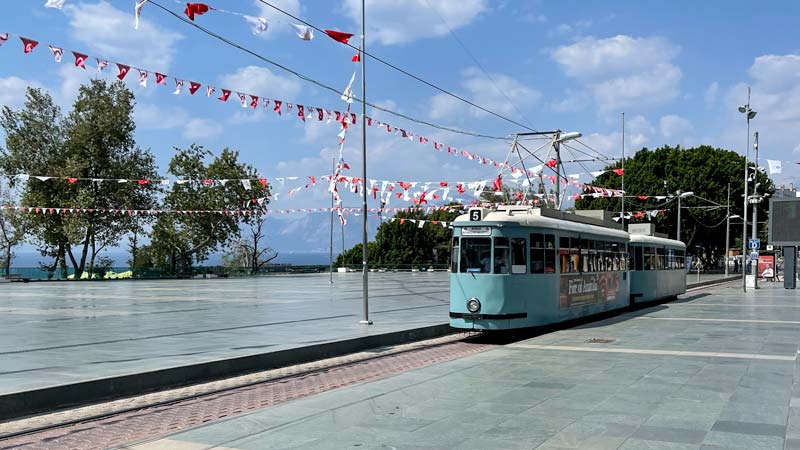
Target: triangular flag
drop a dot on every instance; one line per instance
(101, 63)
(246, 184)
(338, 36)
(28, 44)
(57, 53)
(80, 60)
(242, 99)
(210, 90)
(357, 56)
(195, 8)
(347, 95)
(253, 101)
(137, 12)
(303, 32)
(178, 86)
(193, 87)
(619, 172)
(123, 70)
(3, 38)
(257, 25)
(161, 78)
(277, 107)
(142, 77)
(225, 94)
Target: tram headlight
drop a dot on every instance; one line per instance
(473, 305)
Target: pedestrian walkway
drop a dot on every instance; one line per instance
(60, 333)
(713, 370)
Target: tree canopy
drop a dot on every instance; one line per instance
(705, 171)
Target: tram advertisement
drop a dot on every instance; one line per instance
(580, 290)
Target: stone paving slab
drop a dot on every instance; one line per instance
(674, 377)
(67, 332)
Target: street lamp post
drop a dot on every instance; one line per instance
(756, 200)
(680, 196)
(749, 114)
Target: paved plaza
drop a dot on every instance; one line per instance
(60, 332)
(714, 370)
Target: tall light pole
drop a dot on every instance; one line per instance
(680, 196)
(749, 114)
(364, 241)
(756, 200)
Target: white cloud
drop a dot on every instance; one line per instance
(12, 91)
(403, 22)
(623, 71)
(277, 19)
(639, 125)
(673, 126)
(491, 94)
(260, 81)
(571, 101)
(202, 129)
(611, 144)
(109, 32)
(774, 73)
(711, 93)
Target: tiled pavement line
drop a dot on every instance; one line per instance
(90, 412)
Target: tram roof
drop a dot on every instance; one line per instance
(544, 218)
(647, 239)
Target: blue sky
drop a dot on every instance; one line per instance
(677, 69)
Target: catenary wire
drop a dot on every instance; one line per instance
(401, 70)
(474, 59)
(319, 83)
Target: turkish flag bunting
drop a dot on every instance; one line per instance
(193, 87)
(357, 56)
(80, 59)
(498, 184)
(338, 36)
(28, 44)
(225, 94)
(301, 113)
(195, 8)
(143, 182)
(253, 101)
(123, 70)
(71, 180)
(619, 172)
(161, 78)
(551, 164)
(277, 107)
(642, 197)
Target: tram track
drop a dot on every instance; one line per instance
(126, 421)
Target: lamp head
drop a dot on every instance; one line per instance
(742, 109)
(686, 194)
(735, 216)
(751, 115)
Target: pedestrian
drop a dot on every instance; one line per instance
(735, 265)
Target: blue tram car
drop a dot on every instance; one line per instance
(518, 267)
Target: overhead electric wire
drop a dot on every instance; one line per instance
(401, 70)
(319, 83)
(472, 56)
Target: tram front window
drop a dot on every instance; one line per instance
(476, 255)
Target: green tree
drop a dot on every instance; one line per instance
(178, 240)
(12, 230)
(251, 250)
(95, 141)
(704, 170)
(400, 241)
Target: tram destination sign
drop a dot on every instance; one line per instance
(476, 231)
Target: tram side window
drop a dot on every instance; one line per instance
(660, 258)
(681, 255)
(476, 255)
(501, 256)
(454, 257)
(615, 257)
(649, 256)
(563, 254)
(518, 263)
(585, 255)
(638, 258)
(549, 253)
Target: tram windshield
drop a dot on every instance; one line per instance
(476, 255)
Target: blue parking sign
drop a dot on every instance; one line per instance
(754, 244)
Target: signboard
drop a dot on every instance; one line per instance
(476, 231)
(784, 215)
(754, 256)
(475, 215)
(754, 244)
(766, 262)
(581, 290)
